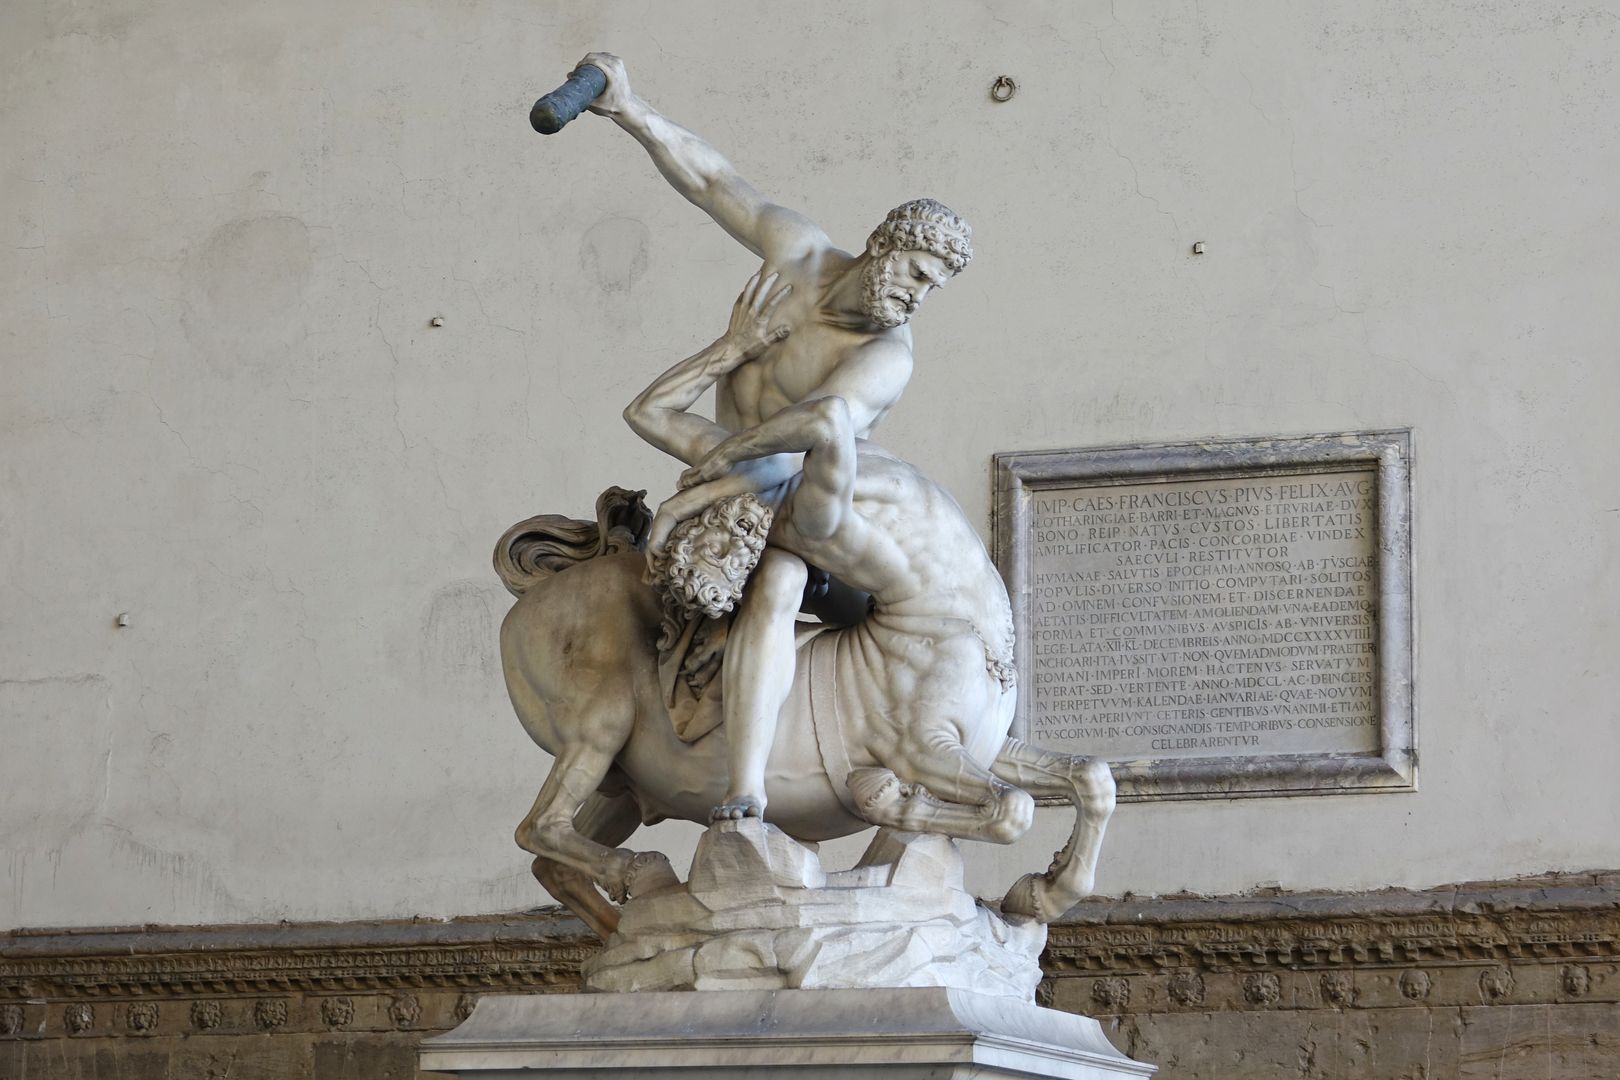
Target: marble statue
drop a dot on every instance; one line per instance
(806, 640)
(662, 660)
(840, 332)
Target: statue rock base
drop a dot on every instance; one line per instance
(762, 1034)
(760, 913)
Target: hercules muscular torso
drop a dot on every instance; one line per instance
(790, 370)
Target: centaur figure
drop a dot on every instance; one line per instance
(898, 720)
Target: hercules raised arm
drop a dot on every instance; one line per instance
(698, 172)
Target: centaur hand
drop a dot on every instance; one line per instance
(751, 330)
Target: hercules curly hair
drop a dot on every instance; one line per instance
(924, 225)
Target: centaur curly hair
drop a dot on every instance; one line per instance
(732, 533)
(924, 225)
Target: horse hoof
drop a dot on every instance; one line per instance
(875, 789)
(1027, 897)
(649, 872)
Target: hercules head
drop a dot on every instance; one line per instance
(919, 247)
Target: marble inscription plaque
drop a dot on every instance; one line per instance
(1216, 619)
(1184, 618)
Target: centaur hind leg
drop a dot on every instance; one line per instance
(605, 819)
(1087, 783)
(548, 830)
(942, 790)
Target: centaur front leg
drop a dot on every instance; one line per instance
(606, 819)
(548, 830)
(1089, 785)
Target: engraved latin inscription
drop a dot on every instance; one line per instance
(1205, 618)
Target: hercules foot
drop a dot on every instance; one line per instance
(737, 807)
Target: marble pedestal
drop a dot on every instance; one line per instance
(932, 1032)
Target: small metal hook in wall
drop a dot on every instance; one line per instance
(1003, 88)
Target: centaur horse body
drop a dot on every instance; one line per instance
(900, 720)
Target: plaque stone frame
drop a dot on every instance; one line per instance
(1392, 766)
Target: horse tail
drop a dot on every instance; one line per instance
(534, 549)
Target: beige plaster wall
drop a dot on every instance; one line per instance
(225, 229)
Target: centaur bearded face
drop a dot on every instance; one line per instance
(708, 558)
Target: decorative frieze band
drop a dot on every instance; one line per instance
(1539, 919)
(1543, 940)
(541, 951)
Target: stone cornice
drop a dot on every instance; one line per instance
(537, 951)
(1565, 916)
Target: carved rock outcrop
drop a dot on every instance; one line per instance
(760, 912)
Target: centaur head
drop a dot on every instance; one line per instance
(706, 562)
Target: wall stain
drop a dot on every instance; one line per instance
(245, 286)
(613, 253)
(459, 651)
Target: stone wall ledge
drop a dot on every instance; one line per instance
(543, 926)
(537, 951)
(1593, 890)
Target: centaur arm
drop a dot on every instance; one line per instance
(659, 416)
(659, 413)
